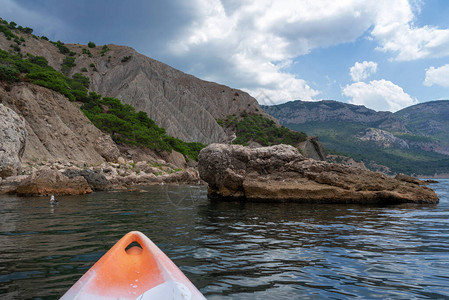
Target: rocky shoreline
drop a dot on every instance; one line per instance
(74, 178)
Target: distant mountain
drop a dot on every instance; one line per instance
(414, 140)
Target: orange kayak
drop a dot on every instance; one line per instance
(134, 268)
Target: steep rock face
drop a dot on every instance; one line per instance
(12, 141)
(57, 129)
(281, 173)
(184, 105)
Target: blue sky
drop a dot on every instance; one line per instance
(385, 54)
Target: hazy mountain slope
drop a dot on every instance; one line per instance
(185, 106)
(412, 140)
(429, 119)
(301, 112)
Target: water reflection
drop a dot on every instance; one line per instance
(231, 250)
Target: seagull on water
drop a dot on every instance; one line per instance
(53, 201)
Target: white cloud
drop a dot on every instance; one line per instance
(256, 40)
(246, 43)
(361, 71)
(437, 76)
(394, 29)
(380, 95)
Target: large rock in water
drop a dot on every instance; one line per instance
(12, 141)
(281, 173)
(49, 182)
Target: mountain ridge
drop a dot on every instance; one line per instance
(403, 141)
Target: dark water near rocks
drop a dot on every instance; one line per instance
(232, 250)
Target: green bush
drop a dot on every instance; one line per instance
(39, 60)
(258, 128)
(67, 64)
(62, 48)
(104, 50)
(83, 80)
(91, 45)
(9, 74)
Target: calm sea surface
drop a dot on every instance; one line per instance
(233, 250)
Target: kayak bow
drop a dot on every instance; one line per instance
(132, 272)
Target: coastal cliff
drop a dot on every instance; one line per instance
(186, 107)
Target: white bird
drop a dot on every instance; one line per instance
(53, 201)
(233, 137)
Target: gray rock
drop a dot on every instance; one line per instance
(312, 148)
(12, 141)
(96, 181)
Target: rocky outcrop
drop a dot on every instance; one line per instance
(312, 148)
(281, 173)
(12, 142)
(96, 181)
(383, 138)
(49, 182)
(57, 129)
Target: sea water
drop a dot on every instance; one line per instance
(232, 250)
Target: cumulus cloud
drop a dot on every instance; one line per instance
(395, 31)
(249, 41)
(361, 71)
(380, 95)
(256, 40)
(438, 76)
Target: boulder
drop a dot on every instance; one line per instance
(106, 147)
(96, 181)
(175, 158)
(312, 148)
(12, 141)
(280, 173)
(47, 182)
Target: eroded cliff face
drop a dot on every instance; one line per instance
(185, 106)
(57, 129)
(12, 141)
